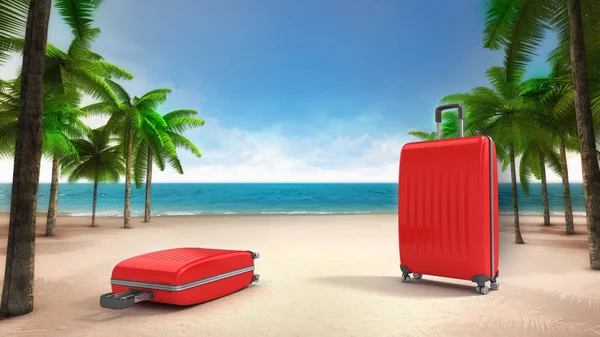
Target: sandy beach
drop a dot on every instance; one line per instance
(334, 275)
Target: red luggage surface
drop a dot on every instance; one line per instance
(448, 208)
(180, 276)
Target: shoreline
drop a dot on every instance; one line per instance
(271, 214)
(191, 214)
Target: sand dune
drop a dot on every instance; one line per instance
(320, 276)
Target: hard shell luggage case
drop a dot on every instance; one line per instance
(180, 276)
(448, 208)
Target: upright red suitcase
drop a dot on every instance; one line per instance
(181, 276)
(448, 208)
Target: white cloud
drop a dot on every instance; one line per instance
(268, 155)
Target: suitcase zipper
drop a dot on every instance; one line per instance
(181, 287)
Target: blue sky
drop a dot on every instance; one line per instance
(296, 90)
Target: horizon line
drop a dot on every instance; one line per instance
(270, 182)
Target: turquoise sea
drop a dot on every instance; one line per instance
(266, 198)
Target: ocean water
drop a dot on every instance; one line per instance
(266, 198)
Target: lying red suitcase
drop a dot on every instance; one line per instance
(181, 276)
(448, 208)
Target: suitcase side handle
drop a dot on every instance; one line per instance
(461, 117)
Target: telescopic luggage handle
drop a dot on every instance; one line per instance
(438, 117)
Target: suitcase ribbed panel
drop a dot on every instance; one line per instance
(436, 221)
(181, 255)
(444, 207)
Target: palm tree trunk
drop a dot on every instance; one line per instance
(95, 200)
(17, 293)
(127, 211)
(515, 197)
(566, 189)
(585, 130)
(148, 186)
(544, 190)
(53, 204)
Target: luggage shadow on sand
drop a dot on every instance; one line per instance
(146, 309)
(393, 286)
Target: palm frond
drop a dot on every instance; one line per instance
(93, 85)
(499, 17)
(525, 170)
(80, 46)
(179, 114)
(162, 91)
(78, 14)
(422, 135)
(100, 108)
(140, 165)
(115, 72)
(184, 143)
(13, 21)
(552, 160)
(176, 164)
(182, 124)
(150, 102)
(524, 35)
(119, 91)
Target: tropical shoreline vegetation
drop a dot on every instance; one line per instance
(540, 119)
(41, 116)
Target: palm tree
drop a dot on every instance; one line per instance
(519, 28)
(127, 119)
(585, 128)
(79, 67)
(59, 128)
(17, 293)
(163, 149)
(150, 139)
(557, 117)
(99, 160)
(539, 153)
(88, 71)
(60, 120)
(502, 113)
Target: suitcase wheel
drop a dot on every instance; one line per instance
(417, 276)
(483, 290)
(405, 278)
(255, 278)
(494, 285)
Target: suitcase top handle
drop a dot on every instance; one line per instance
(438, 117)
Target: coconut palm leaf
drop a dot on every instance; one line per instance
(525, 170)
(518, 27)
(422, 135)
(13, 20)
(78, 14)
